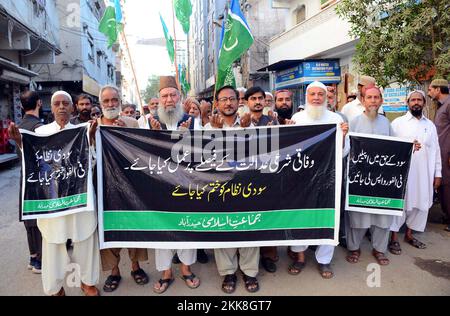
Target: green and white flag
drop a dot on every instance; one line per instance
(236, 37)
(169, 40)
(225, 78)
(111, 22)
(183, 11)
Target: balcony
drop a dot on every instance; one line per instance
(324, 35)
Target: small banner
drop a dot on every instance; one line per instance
(378, 168)
(57, 176)
(219, 188)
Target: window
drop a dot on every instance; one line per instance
(99, 58)
(90, 47)
(300, 14)
(326, 3)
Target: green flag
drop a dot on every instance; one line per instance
(109, 25)
(169, 41)
(236, 37)
(185, 86)
(225, 78)
(183, 11)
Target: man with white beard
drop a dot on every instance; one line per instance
(81, 228)
(316, 112)
(111, 104)
(171, 117)
(425, 173)
(170, 114)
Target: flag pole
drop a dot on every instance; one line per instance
(217, 64)
(124, 37)
(177, 77)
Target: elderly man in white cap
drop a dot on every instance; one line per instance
(352, 109)
(81, 228)
(316, 112)
(425, 173)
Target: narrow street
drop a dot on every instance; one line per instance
(415, 272)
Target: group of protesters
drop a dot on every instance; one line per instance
(51, 239)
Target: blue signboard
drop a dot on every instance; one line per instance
(395, 99)
(306, 72)
(323, 69)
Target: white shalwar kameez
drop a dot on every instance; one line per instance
(324, 253)
(81, 228)
(426, 165)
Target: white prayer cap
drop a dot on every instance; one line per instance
(64, 93)
(317, 84)
(416, 91)
(268, 93)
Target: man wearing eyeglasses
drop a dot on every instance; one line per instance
(228, 261)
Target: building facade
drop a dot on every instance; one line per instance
(86, 63)
(29, 39)
(204, 45)
(265, 23)
(314, 34)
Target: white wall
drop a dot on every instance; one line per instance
(45, 23)
(77, 23)
(322, 32)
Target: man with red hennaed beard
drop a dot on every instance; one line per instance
(370, 122)
(81, 228)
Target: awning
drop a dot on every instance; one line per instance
(281, 65)
(10, 71)
(90, 86)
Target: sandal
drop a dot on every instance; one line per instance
(140, 277)
(296, 267)
(163, 285)
(268, 264)
(325, 271)
(353, 256)
(112, 283)
(381, 258)
(194, 281)
(416, 243)
(251, 284)
(229, 283)
(61, 292)
(394, 248)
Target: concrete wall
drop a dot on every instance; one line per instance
(204, 43)
(43, 22)
(79, 27)
(324, 31)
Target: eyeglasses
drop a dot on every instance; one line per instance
(225, 99)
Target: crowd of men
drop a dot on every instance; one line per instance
(429, 172)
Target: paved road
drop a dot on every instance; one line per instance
(416, 272)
